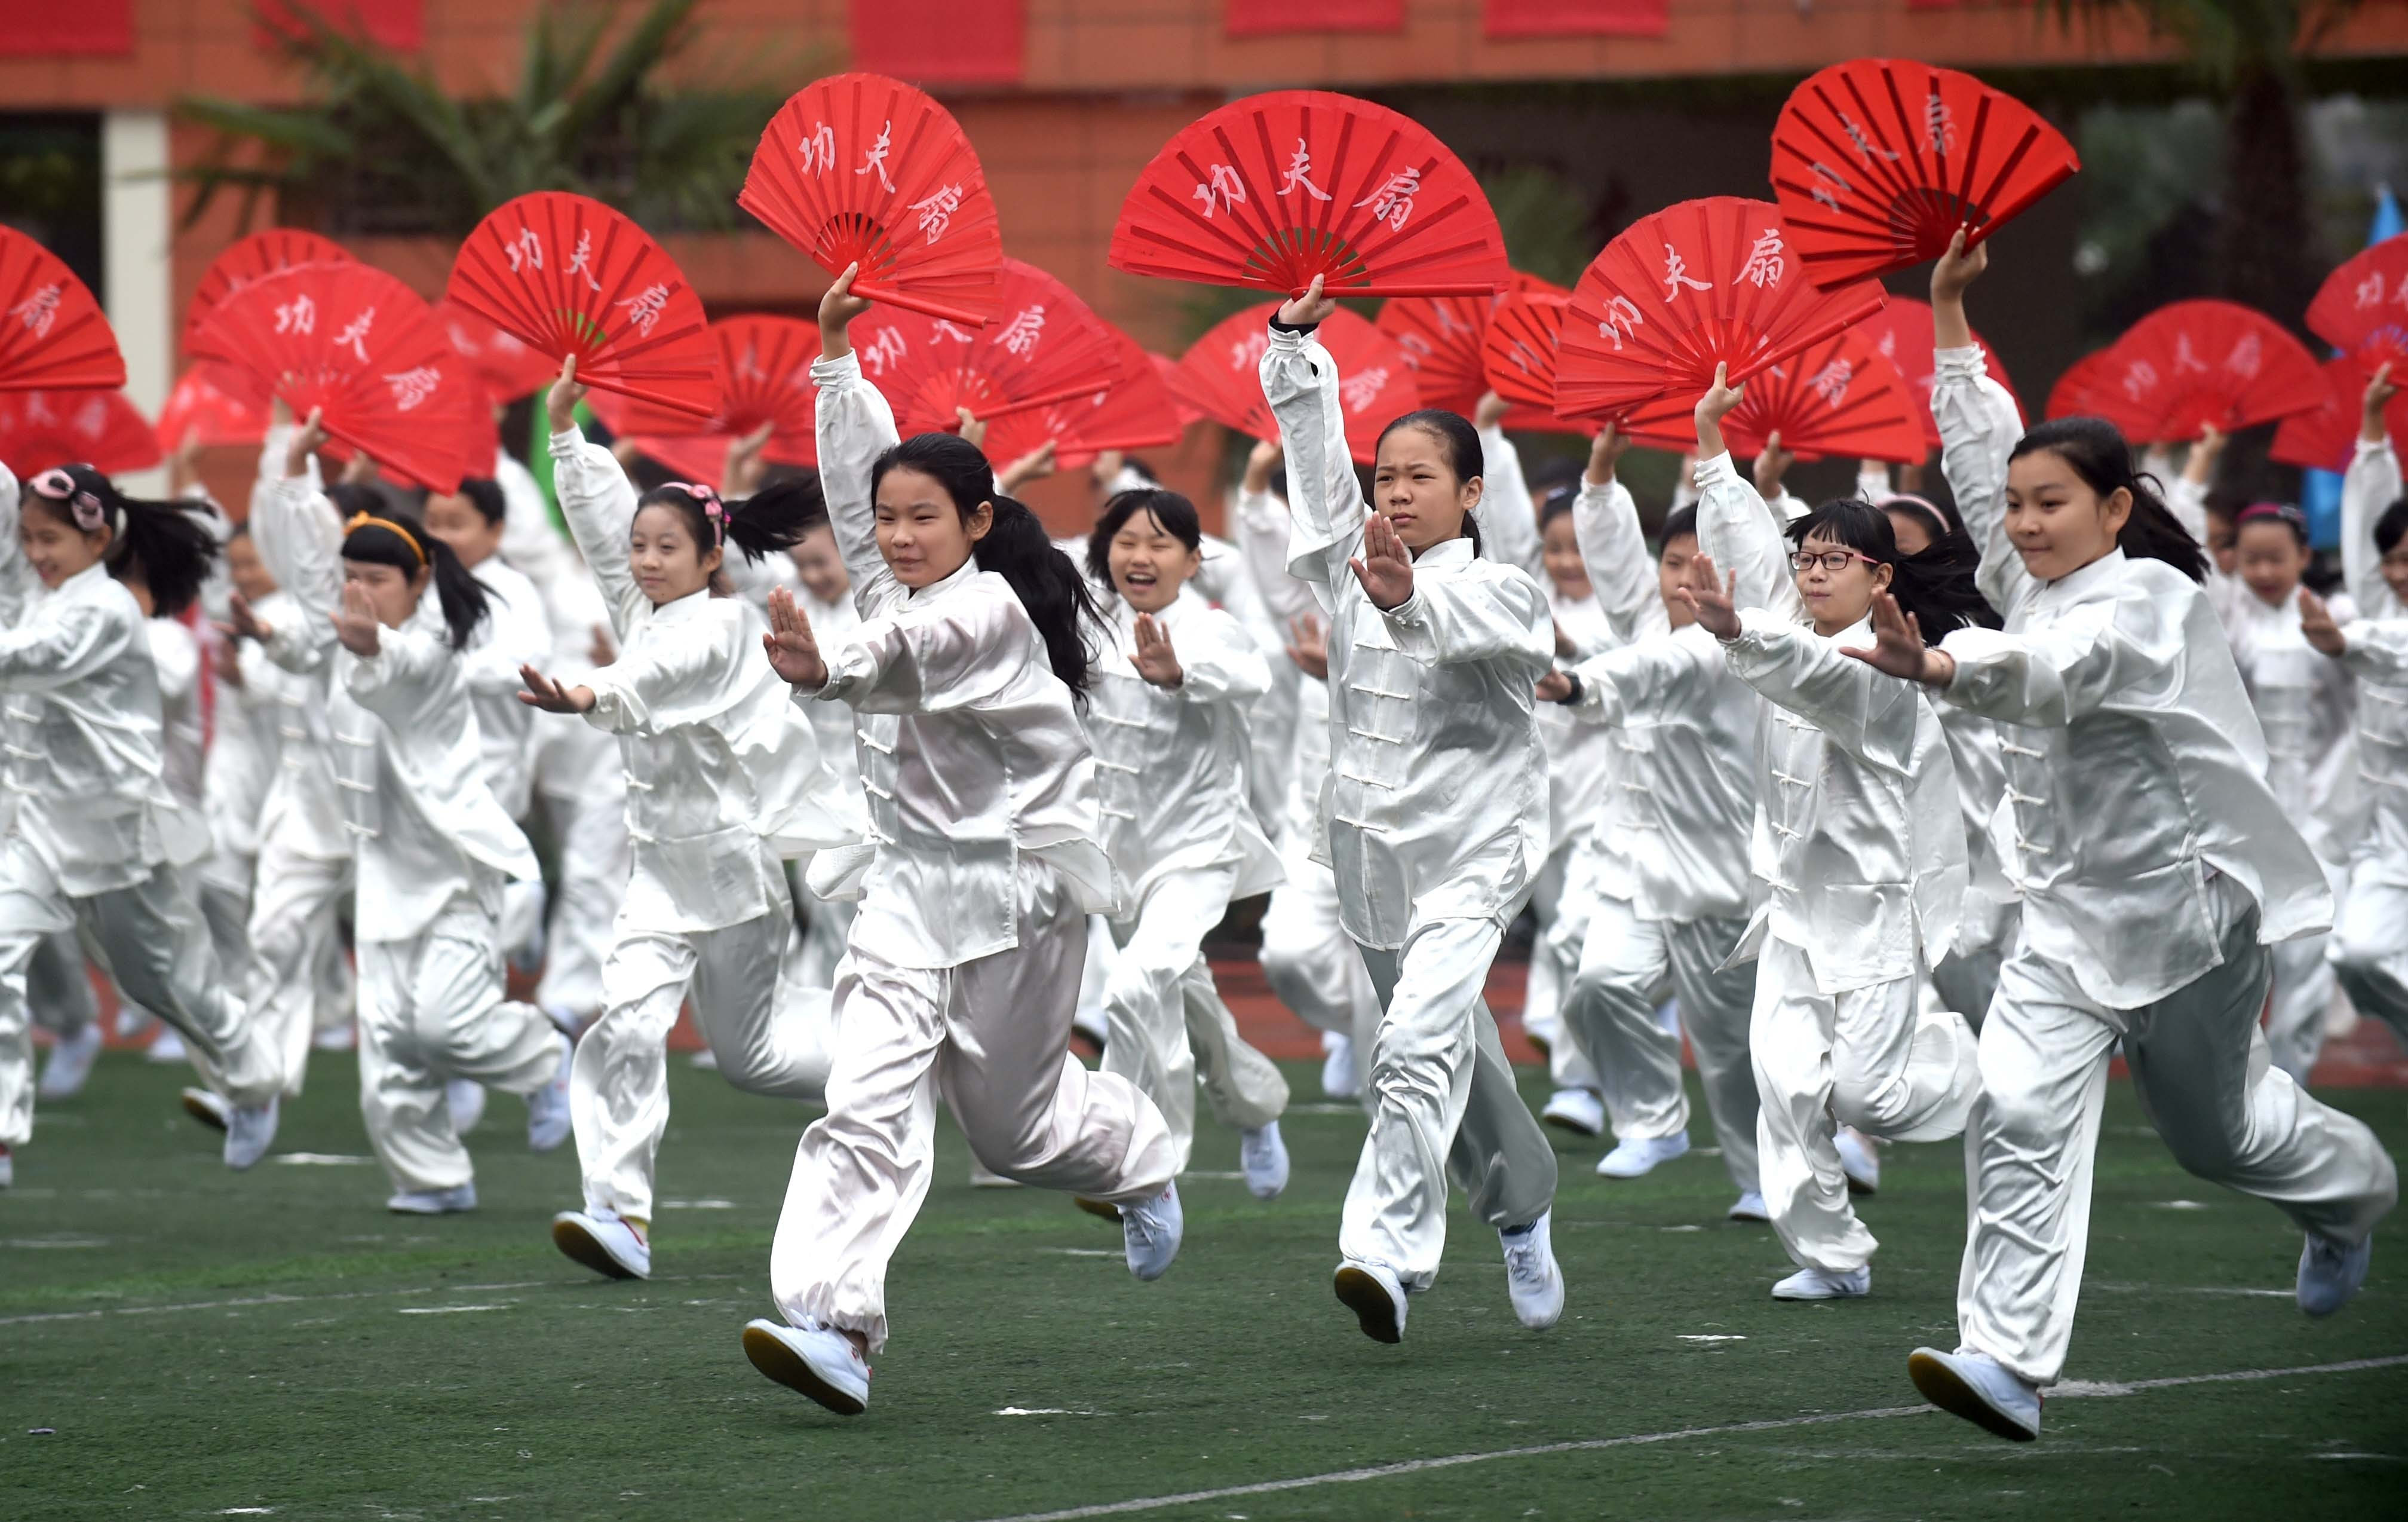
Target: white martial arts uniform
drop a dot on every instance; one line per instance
(583, 787)
(831, 920)
(2369, 948)
(2155, 867)
(724, 781)
(517, 631)
(1170, 778)
(1858, 837)
(983, 861)
(88, 849)
(1436, 821)
(235, 776)
(1675, 905)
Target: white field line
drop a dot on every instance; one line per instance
(1417, 1466)
(313, 1300)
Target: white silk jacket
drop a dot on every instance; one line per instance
(2376, 641)
(2135, 768)
(971, 750)
(724, 777)
(517, 632)
(1436, 806)
(1857, 824)
(303, 806)
(243, 757)
(183, 737)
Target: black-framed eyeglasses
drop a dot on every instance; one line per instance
(1834, 560)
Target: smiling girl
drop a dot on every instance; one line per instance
(1434, 819)
(2155, 867)
(88, 847)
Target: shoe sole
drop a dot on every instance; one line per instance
(784, 1366)
(1819, 1300)
(1363, 1295)
(1750, 1217)
(576, 1243)
(1859, 1190)
(203, 1114)
(1940, 1385)
(1098, 1207)
(1565, 1123)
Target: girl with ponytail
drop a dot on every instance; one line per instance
(88, 850)
(431, 848)
(725, 784)
(984, 857)
(2157, 869)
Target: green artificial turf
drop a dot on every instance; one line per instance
(204, 1344)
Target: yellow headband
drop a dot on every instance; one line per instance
(361, 520)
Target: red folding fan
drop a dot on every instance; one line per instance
(1135, 411)
(1519, 359)
(53, 336)
(1442, 337)
(862, 167)
(1836, 397)
(566, 275)
(1164, 365)
(357, 344)
(509, 368)
(39, 430)
(247, 259)
(2194, 363)
(2078, 391)
(1697, 284)
(2362, 307)
(1268, 192)
(1902, 333)
(1222, 377)
(764, 375)
(1044, 346)
(2324, 437)
(213, 415)
(1876, 163)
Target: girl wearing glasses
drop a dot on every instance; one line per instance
(2156, 868)
(1858, 836)
(724, 779)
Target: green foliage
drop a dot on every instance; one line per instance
(381, 147)
(1545, 218)
(2225, 39)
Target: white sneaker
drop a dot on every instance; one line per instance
(1371, 1292)
(1579, 1111)
(1823, 1285)
(605, 1243)
(1859, 1159)
(1532, 1280)
(167, 1048)
(1979, 1389)
(819, 1361)
(2330, 1273)
(1264, 1157)
(984, 1177)
(70, 1063)
(1640, 1155)
(1339, 1079)
(1750, 1207)
(466, 1099)
(547, 1107)
(208, 1108)
(1150, 1234)
(338, 1036)
(706, 1059)
(249, 1133)
(131, 1019)
(433, 1201)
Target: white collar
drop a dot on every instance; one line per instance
(967, 571)
(679, 609)
(1455, 551)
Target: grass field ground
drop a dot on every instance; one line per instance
(193, 1344)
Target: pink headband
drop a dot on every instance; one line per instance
(86, 508)
(2258, 512)
(713, 509)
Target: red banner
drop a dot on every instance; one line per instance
(941, 41)
(398, 24)
(60, 29)
(1274, 18)
(1575, 18)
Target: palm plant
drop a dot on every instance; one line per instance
(379, 146)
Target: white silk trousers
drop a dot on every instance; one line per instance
(432, 1008)
(292, 903)
(155, 945)
(995, 1035)
(1443, 1101)
(1308, 959)
(2303, 995)
(2369, 948)
(1625, 964)
(1869, 1057)
(595, 861)
(1164, 1020)
(57, 988)
(2205, 1077)
(767, 1028)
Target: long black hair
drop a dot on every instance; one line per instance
(1049, 588)
(774, 518)
(1936, 587)
(169, 547)
(1171, 512)
(1460, 441)
(380, 535)
(2096, 451)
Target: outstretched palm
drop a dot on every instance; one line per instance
(1898, 645)
(355, 623)
(794, 654)
(1385, 567)
(1154, 659)
(1711, 597)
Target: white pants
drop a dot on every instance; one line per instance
(155, 946)
(2370, 948)
(2201, 1068)
(1443, 1100)
(1623, 964)
(1869, 1057)
(1307, 958)
(994, 1033)
(769, 1030)
(1165, 1019)
(584, 908)
(58, 990)
(432, 1010)
(1637, 1096)
(292, 903)
(2303, 989)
